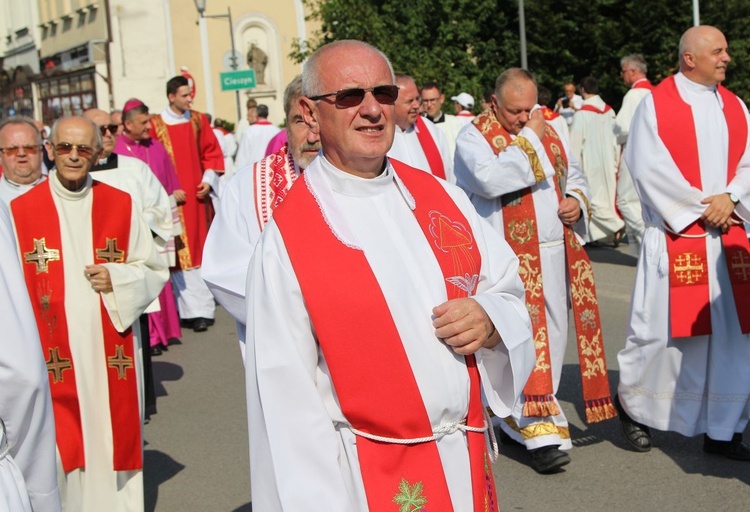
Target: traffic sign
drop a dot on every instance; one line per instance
(234, 80)
(226, 61)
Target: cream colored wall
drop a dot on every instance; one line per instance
(74, 31)
(139, 53)
(278, 19)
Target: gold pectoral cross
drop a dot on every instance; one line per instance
(110, 253)
(41, 255)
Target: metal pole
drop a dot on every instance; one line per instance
(207, 84)
(522, 31)
(235, 64)
(696, 13)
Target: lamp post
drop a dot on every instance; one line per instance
(522, 33)
(201, 6)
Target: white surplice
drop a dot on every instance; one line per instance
(230, 244)
(295, 450)
(10, 190)
(253, 143)
(627, 198)
(687, 385)
(593, 143)
(406, 148)
(136, 283)
(25, 403)
(486, 178)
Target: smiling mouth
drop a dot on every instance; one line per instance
(370, 129)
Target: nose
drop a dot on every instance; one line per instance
(370, 107)
(524, 117)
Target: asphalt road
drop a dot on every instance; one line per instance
(196, 456)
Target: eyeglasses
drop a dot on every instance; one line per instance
(28, 149)
(112, 128)
(346, 98)
(64, 148)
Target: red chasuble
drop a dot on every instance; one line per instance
(40, 246)
(384, 399)
(429, 146)
(643, 84)
(689, 294)
(193, 148)
(592, 108)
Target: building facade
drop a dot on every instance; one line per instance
(61, 57)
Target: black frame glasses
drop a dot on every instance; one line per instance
(112, 128)
(347, 98)
(31, 149)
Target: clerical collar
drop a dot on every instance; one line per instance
(72, 195)
(22, 185)
(439, 119)
(168, 112)
(106, 164)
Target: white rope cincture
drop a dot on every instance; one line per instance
(443, 430)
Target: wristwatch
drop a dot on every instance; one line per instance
(734, 198)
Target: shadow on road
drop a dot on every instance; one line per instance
(158, 467)
(164, 371)
(603, 254)
(686, 452)
(247, 507)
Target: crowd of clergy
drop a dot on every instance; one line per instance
(406, 300)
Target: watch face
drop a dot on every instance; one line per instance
(734, 198)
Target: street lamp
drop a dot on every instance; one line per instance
(200, 5)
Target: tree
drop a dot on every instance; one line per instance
(465, 44)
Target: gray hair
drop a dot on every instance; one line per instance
(311, 75)
(22, 120)
(635, 61)
(509, 76)
(292, 93)
(97, 133)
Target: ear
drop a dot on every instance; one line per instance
(689, 59)
(309, 111)
(50, 149)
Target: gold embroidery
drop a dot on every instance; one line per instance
(592, 350)
(41, 255)
(163, 136)
(538, 429)
(410, 498)
(536, 164)
(56, 365)
(521, 231)
(120, 361)
(530, 276)
(110, 253)
(688, 268)
(183, 252)
(581, 292)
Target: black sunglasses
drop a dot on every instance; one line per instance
(346, 98)
(111, 127)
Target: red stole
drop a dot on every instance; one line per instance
(688, 273)
(383, 399)
(592, 108)
(548, 113)
(272, 178)
(193, 148)
(431, 152)
(41, 251)
(643, 84)
(520, 230)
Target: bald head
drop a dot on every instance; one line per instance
(408, 102)
(103, 121)
(704, 55)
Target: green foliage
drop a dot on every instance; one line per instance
(465, 44)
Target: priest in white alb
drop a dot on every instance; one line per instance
(417, 142)
(91, 269)
(380, 307)
(593, 143)
(248, 202)
(20, 157)
(686, 363)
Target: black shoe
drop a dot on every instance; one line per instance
(734, 449)
(156, 351)
(200, 325)
(209, 321)
(548, 459)
(636, 434)
(187, 323)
